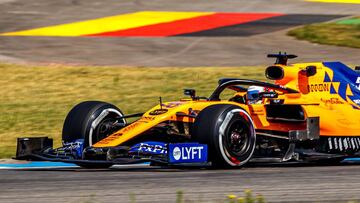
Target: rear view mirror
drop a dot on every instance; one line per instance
(310, 71)
(190, 92)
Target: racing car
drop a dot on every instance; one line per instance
(304, 112)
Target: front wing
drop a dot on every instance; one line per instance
(157, 153)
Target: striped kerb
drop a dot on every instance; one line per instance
(146, 24)
(190, 25)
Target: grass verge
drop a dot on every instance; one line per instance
(35, 99)
(339, 34)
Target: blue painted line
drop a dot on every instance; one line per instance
(47, 164)
(353, 159)
(145, 163)
(37, 164)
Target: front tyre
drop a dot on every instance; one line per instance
(92, 121)
(229, 132)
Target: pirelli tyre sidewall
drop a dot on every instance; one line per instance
(84, 120)
(218, 126)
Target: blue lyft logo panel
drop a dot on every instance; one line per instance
(187, 153)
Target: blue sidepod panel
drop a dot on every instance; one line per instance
(348, 78)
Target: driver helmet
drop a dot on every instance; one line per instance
(253, 94)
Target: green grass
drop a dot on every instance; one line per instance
(342, 33)
(350, 21)
(35, 99)
(247, 197)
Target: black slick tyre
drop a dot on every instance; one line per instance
(229, 132)
(91, 121)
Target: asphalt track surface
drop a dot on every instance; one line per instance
(171, 51)
(277, 183)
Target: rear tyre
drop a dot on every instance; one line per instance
(229, 132)
(92, 121)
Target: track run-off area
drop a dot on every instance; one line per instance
(166, 33)
(277, 183)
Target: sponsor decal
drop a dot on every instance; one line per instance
(177, 153)
(269, 95)
(120, 133)
(127, 128)
(277, 101)
(109, 139)
(148, 118)
(332, 101)
(356, 98)
(187, 153)
(319, 88)
(154, 148)
(171, 104)
(77, 146)
(257, 111)
(158, 112)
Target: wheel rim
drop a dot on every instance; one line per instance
(237, 140)
(239, 150)
(103, 126)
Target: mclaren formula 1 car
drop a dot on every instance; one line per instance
(308, 112)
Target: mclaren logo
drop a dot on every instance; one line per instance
(158, 112)
(319, 87)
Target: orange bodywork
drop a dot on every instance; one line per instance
(339, 114)
(332, 98)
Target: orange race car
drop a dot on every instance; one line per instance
(310, 113)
